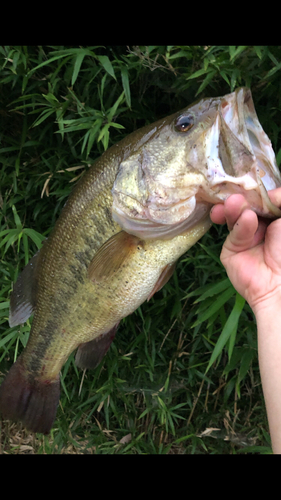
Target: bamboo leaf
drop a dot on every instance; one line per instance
(200, 72)
(105, 62)
(245, 363)
(16, 218)
(4, 305)
(214, 289)
(77, 65)
(43, 116)
(55, 58)
(126, 85)
(206, 81)
(114, 108)
(10, 238)
(35, 236)
(258, 51)
(234, 52)
(92, 136)
(230, 326)
(216, 305)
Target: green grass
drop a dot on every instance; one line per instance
(182, 375)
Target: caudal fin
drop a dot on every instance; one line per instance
(32, 402)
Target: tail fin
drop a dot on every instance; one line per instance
(33, 402)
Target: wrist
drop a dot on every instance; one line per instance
(268, 306)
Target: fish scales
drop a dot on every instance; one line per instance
(142, 204)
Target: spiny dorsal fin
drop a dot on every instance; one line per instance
(112, 255)
(23, 297)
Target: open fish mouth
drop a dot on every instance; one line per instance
(246, 161)
(200, 157)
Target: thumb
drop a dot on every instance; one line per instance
(247, 232)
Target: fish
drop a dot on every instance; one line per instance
(132, 215)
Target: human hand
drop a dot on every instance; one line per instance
(251, 253)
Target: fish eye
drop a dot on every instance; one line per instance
(184, 123)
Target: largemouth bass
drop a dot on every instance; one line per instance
(141, 205)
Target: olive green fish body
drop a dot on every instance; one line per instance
(69, 307)
(142, 204)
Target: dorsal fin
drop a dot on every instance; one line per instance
(23, 297)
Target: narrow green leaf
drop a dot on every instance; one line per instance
(126, 85)
(113, 109)
(258, 51)
(25, 246)
(92, 136)
(217, 304)
(105, 62)
(225, 77)
(104, 136)
(103, 132)
(5, 231)
(231, 343)
(4, 305)
(77, 65)
(50, 98)
(16, 218)
(234, 75)
(116, 125)
(206, 81)
(272, 71)
(43, 116)
(200, 72)
(86, 137)
(76, 127)
(230, 325)
(237, 51)
(60, 56)
(214, 256)
(6, 339)
(34, 236)
(10, 238)
(232, 49)
(13, 238)
(273, 58)
(245, 363)
(214, 289)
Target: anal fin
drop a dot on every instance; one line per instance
(90, 354)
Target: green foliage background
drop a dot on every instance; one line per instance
(182, 375)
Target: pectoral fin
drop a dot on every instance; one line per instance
(164, 277)
(90, 354)
(23, 297)
(112, 255)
